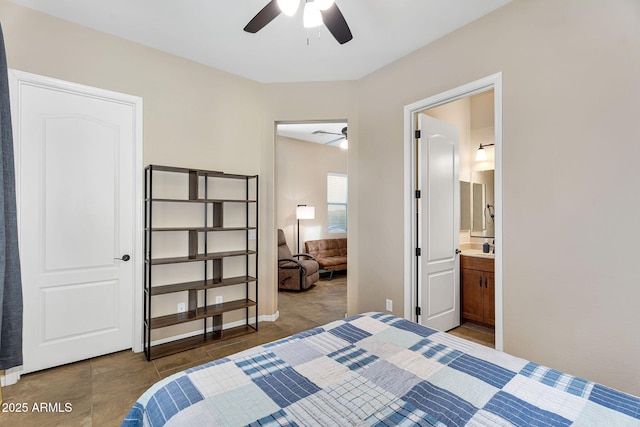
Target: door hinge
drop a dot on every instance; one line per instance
(418, 252)
(418, 194)
(418, 311)
(418, 134)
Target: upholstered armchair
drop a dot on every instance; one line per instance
(295, 272)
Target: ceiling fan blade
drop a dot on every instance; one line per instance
(324, 132)
(266, 15)
(336, 24)
(335, 140)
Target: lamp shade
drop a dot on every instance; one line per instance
(481, 154)
(312, 16)
(324, 4)
(288, 7)
(305, 212)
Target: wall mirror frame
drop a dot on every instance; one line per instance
(477, 204)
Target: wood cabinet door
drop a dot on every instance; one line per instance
(489, 299)
(472, 295)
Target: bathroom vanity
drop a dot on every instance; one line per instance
(477, 286)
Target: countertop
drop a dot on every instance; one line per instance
(477, 253)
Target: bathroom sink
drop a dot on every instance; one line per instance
(477, 253)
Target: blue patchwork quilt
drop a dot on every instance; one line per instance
(380, 370)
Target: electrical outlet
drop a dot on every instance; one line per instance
(182, 307)
(389, 305)
(252, 235)
(219, 299)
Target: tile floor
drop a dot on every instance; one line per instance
(100, 391)
(476, 333)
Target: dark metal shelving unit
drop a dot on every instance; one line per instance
(213, 275)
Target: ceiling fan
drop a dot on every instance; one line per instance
(316, 13)
(343, 137)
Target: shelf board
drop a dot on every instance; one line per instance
(200, 172)
(184, 344)
(201, 200)
(215, 309)
(203, 229)
(200, 313)
(200, 285)
(199, 257)
(180, 170)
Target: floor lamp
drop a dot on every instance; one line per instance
(304, 212)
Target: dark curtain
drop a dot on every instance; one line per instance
(10, 280)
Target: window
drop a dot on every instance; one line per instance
(336, 203)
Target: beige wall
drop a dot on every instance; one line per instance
(194, 116)
(571, 107)
(301, 178)
(304, 102)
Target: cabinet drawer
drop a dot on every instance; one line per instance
(476, 263)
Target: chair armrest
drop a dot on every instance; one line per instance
(305, 255)
(288, 263)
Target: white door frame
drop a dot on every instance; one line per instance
(494, 82)
(18, 78)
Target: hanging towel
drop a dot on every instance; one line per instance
(10, 279)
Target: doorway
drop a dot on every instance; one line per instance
(413, 238)
(311, 168)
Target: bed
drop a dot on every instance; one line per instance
(377, 369)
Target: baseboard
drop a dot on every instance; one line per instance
(11, 376)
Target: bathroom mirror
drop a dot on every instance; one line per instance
(477, 207)
(482, 204)
(465, 206)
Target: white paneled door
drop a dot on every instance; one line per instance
(439, 224)
(75, 166)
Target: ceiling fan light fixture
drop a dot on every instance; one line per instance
(324, 4)
(312, 16)
(289, 7)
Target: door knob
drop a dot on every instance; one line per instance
(458, 251)
(125, 258)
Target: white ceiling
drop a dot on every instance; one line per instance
(318, 132)
(211, 32)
